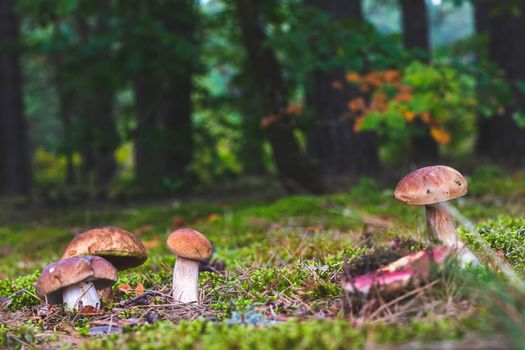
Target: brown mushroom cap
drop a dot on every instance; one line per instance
(120, 247)
(190, 244)
(66, 272)
(430, 185)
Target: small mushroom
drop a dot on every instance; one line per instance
(121, 248)
(74, 281)
(432, 187)
(191, 247)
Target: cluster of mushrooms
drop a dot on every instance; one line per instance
(92, 259)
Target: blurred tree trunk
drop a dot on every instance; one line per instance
(333, 142)
(15, 169)
(415, 25)
(95, 109)
(65, 110)
(100, 139)
(296, 171)
(503, 24)
(251, 150)
(164, 143)
(164, 138)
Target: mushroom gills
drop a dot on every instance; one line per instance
(80, 295)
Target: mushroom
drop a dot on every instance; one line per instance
(191, 247)
(121, 248)
(400, 273)
(74, 281)
(432, 187)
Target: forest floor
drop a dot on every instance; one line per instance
(275, 281)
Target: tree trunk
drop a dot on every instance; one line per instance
(415, 25)
(424, 150)
(95, 109)
(164, 138)
(296, 171)
(65, 111)
(499, 137)
(15, 170)
(333, 142)
(164, 143)
(101, 139)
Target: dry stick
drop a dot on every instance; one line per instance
(398, 299)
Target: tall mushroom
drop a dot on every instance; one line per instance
(74, 281)
(432, 187)
(191, 247)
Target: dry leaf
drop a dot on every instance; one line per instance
(125, 287)
(152, 243)
(139, 289)
(144, 229)
(213, 217)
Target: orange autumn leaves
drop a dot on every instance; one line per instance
(292, 109)
(375, 86)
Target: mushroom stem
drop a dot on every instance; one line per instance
(441, 226)
(186, 280)
(80, 295)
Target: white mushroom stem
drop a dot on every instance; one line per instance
(80, 295)
(441, 226)
(186, 280)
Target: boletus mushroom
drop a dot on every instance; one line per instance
(191, 247)
(75, 281)
(121, 248)
(432, 187)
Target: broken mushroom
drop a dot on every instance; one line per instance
(432, 187)
(191, 247)
(75, 281)
(398, 274)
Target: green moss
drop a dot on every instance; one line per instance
(505, 234)
(21, 291)
(312, 334)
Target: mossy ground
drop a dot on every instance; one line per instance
(284, 260)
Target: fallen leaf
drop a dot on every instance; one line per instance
(144, 229)
(125, 287)
(213, 217)
(152, 243)
(88, 310)
(139, 289)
